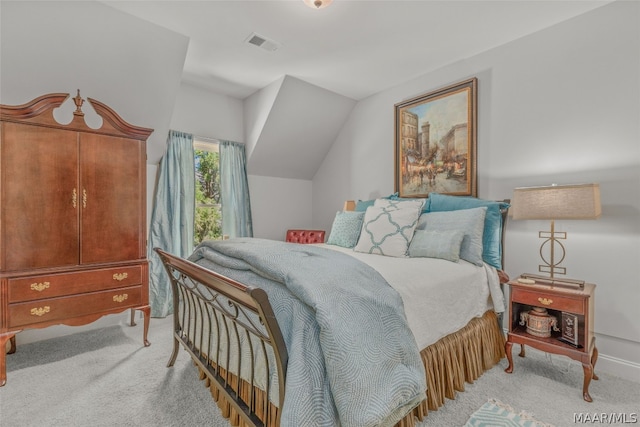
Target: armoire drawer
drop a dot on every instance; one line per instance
(62, 284)
(51, 309)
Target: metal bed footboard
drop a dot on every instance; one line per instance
(229, 329)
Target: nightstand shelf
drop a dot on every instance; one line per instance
(553, 340)
(578, 303)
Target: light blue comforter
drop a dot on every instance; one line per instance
(352, 359)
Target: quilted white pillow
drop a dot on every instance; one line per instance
(400, 203)
(388, 227)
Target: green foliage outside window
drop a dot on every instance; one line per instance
(208, 218)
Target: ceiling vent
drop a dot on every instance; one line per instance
(263, 42)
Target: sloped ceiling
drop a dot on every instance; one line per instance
(301, 125)
(131, 65)
(297, 98)
(353, 47)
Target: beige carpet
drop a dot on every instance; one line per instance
(107, 378)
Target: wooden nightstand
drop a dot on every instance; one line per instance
(578, 306)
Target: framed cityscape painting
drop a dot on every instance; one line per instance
(435, 142)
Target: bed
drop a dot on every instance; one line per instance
(344, 352)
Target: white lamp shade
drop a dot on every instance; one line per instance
(580, 201)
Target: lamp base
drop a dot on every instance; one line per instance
(571, 283)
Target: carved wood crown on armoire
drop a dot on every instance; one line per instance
(73, 218)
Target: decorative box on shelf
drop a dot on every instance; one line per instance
(569, 329)
(539, 322)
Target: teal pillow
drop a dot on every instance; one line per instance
(362, 205)
(469, 221)
(436, 244)
(345, 230)
(492, 235)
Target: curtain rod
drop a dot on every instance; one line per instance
(206, 139)
(213, 140)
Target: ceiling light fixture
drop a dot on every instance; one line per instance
(318, 4)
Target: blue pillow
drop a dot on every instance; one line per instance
(469, 221)
(362, 205)
(436, 244)
(492, 235)
(345, 230)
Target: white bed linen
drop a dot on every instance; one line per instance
(439, 296)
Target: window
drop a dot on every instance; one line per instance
(208, 215)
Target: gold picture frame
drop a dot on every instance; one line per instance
(435, 142)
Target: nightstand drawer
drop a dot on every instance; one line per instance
(66, 308)
(549, 300)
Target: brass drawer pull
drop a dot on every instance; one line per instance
(40, 311)
(545, 301)
(40, 286)
(120, 298)
(74, 198)
(120, 276)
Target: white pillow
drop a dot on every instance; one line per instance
(400, 203)
(388, 227)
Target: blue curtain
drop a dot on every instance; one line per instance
(172, 220)
(234, 191)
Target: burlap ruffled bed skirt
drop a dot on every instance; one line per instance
(455, 359)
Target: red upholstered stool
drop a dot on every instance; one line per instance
(305, 236)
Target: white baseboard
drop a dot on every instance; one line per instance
(618, 367)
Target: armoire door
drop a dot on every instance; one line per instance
(112, 182)
(40, 197)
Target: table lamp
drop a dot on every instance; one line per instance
(579, 201)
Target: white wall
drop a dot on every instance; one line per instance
(278, 204)
(559, 106)
(208, 114)
(293, 141)
(256, 112)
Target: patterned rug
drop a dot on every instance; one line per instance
(497, 414)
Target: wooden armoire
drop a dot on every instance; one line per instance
(72, 218)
